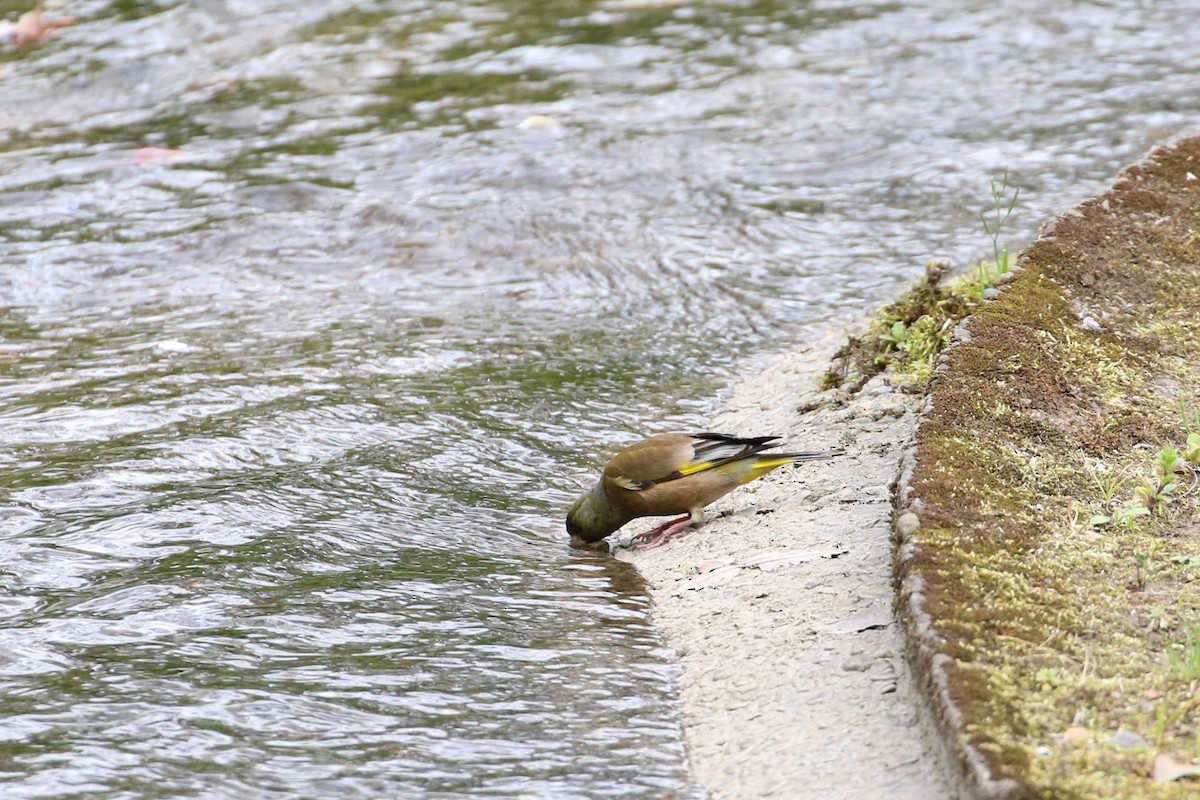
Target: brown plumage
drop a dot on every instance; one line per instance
(672, 473)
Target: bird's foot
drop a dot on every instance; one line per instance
(657, 537)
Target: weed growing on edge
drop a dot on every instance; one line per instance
(987, 275)
(907, 336)
(1001, 212)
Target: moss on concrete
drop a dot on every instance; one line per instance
(1054, 649)
(906, 336)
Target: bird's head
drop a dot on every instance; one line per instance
(593, 517)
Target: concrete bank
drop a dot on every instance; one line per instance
(1045, 648)
(1050, 555)
(794, 683)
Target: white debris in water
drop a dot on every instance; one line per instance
(539, 122)
(175, 346)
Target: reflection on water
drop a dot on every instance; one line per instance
(306, 342)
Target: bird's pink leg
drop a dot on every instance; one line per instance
(659, 536)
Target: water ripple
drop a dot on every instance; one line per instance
(316, 316)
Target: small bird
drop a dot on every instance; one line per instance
(672, 473)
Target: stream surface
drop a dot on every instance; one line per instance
(315, 316)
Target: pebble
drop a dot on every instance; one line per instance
(1076, 735)
(858, 663)
(1128, 740)
(908, 523)
(539, 122)
(884, 673)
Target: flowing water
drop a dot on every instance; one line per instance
(314, 316)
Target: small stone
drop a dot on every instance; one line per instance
(1128, 740)
(908, 523)
(857, 663)
(1076, 735)
(539, 122)
(884, 674)
(876, 388)
(1091, 326)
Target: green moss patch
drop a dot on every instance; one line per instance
(1058, 631)
(906, 336)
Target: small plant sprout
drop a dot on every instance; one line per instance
(1124, 517)
(1167, 463)
(895, 336)
(1155, 491)
(1002, 208)
(1191, 453)
(1159, 621)
(1191, 416)
(1108, 482)
(1185, 662)
(1161, 720)
(1143, 564)
(986, 275)
(1140, 562)
(1191, 425)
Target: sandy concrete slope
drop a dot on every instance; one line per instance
(794, 683)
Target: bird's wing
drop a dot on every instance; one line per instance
(673, 456)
